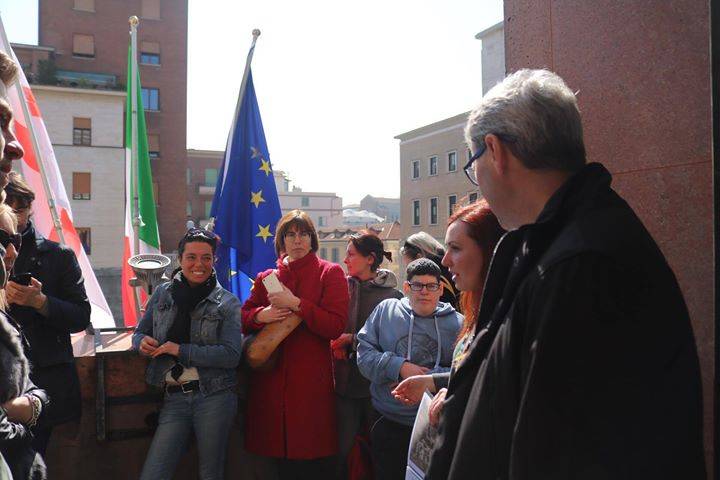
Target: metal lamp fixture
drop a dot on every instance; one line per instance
(149, 269)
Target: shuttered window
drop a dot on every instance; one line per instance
(153, 145)
(150, 53)
(150, 9)
(81, 185)
(84, 5)
(83, 45)
(82, 131)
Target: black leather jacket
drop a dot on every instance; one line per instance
(50, 352)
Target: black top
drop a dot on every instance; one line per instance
(50, 351)
(584, 364)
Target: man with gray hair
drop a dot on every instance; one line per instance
(583, 363)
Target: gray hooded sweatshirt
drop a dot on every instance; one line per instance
(364, 297)
(383, 348)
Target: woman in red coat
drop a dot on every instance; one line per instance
(291, 407)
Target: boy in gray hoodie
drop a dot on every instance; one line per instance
(430, 328)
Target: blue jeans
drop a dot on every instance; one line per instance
(210, 417)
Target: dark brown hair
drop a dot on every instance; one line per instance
(368, 243)
(17, 191)
(303, 222)
(483, 227)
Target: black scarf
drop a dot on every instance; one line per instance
(186, 298)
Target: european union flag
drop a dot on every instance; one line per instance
(246, 207)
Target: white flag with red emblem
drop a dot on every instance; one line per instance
(20, 92)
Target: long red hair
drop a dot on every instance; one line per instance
(483, 227)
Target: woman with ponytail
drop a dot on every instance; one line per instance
(368, 285)
(471, 236)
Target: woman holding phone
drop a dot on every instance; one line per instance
(291, 405)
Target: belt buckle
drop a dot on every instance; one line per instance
(182, 387)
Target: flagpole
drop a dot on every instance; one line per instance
(134, 164)
(238, 105)
(57, 224)
(134, 126)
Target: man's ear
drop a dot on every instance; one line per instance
(406, 288)
(499, 153)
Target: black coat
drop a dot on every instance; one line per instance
(51, 352)
(584, 363)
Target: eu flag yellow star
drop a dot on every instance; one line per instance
(265, 167)
(256, 198)
(264, 232)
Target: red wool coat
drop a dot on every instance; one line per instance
(291, 409)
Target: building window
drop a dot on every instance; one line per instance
(188, 176)
(150, 53)
(85, 238)
(416, 213)
(335, 255)
(433, 211)
(83, 45)
(153, 145)
(188, 209)
(151, 98)
(472, 198)
(304, 201)
(416, 169)
(150, 9)
(211, 176)
(321, 222)
(82, 131)
(208, 208)
(433, 166)
(84, 5)
(452, 201)
(323, 253)
(81, 185)
(452, 161)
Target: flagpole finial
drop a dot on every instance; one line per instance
(133, 21)
(256, 33)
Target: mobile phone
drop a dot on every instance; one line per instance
(272, 284)
(21, 278)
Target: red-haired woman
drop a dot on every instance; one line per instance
(291, 406)
(471, 236)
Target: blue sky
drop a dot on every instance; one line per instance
(336, 81)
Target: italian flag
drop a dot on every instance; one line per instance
(149, 239)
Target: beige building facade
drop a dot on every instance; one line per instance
(92, 163)
(493, 55)
(333, 243)
(432, 180)
(325, 208)
(432, 157)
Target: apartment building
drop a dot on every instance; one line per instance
(333, 243)
(88, 42)
(432, 157)
(203, 166)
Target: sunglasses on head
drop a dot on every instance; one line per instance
(8, 238)
(200, 232)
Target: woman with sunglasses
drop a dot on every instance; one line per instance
(21, 403)
(291, 404)
(49, 302)
(191, 332)
(472, 233)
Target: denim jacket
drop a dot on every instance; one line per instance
(214, 334)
